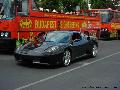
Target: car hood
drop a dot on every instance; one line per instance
(45, 45)
(40, 48)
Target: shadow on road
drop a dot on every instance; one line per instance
(6, 52)
(82, 59)
(39, 66)
(46, 66)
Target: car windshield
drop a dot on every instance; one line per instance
(59, 37)
(7, 9)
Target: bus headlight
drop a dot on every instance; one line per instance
(4, 34)
(106, 29)
(102, 29)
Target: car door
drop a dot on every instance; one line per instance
(76, 45)
(84, 44)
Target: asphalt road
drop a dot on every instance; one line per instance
(100, 73)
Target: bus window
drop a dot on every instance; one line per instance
(117, 15)
(111, 15)
(23, 7)
(7, 9)
(35, 5)
(104, 16)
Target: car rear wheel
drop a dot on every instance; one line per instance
(66, 58)
(94, 51)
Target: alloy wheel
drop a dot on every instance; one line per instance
(66, 58)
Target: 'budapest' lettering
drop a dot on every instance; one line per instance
(45, 24)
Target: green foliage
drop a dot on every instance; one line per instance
(70, 5)
(103, 4)
(83, 5)
(65, 5)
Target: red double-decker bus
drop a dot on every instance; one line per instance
(110, 23)
(26, 21)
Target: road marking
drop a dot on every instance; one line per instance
(84, 64)
(67, 71)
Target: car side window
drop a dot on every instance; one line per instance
(76, 36)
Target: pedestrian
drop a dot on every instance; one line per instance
(6, 8)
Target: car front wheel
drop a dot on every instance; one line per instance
(66, 58)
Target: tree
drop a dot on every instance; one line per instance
(83, 4)
(62, 5)
(103, 4)
(49, 4)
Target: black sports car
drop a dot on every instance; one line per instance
(58, 47)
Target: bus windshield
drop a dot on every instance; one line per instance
(104, 16)
(7, 9)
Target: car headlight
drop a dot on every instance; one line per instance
(52, 49)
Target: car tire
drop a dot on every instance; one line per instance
(94, 51)
(66, 58)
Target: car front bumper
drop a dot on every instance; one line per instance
(46, 59)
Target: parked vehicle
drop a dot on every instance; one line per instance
(110, 23)
(26, 21)
(59, 47)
